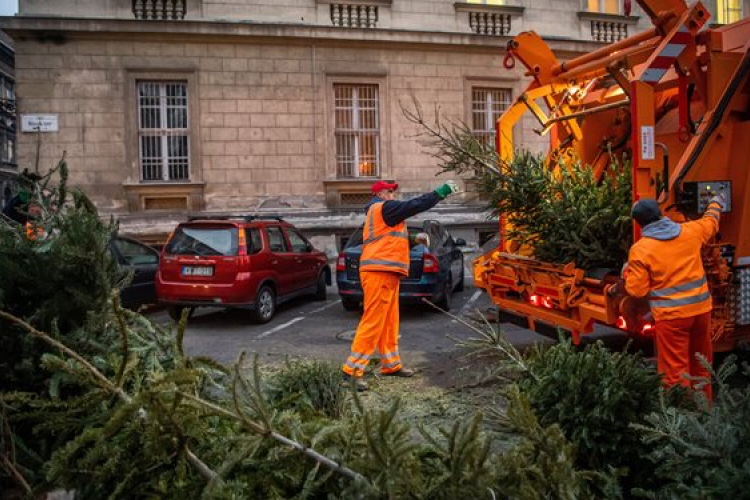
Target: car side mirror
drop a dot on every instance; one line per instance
(460, 242)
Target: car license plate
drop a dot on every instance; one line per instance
(197, 271)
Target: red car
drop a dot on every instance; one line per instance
(253, 263)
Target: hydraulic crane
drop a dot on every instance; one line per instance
(675, 100)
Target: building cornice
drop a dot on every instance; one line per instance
(56, 29)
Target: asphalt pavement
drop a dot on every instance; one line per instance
(305, 328)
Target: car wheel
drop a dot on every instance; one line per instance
(265, 305)
(460, 286)
(321, 291)
(444, 302)
(350, 304)
(175, 312)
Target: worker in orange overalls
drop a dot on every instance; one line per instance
(384, 261)
(666, 266)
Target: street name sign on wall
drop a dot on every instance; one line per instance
(39, 123)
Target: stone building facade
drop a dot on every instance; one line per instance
(174, 107)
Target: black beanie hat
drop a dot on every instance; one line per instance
(646, 211)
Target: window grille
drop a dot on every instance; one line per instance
(357, 130)
(728, 11)
(486, 107)
(163, 131)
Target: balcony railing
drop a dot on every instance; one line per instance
(489, 23)
(489, 19)
(161, 10)
(354, 16)
(607, 28)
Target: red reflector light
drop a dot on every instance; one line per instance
(429, 263)
(621, 323)
(648, 329)
(541, 301)
(341, 263)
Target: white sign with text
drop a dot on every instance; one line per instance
(39, 123)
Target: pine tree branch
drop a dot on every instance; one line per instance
(105, 383)
(263, 431)
(17, 476)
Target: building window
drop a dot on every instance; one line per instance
(487, 2)
(604, 6)
(7, 147)
(357, 130)
(486, 107)
(163, 131)
(728, 11)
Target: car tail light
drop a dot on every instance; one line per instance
(429, 263)
(243, 243)
(341, 263)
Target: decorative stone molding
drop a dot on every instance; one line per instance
(165, 197)
(160, 10)
(347, 193)
(489, 19)
(608, 28)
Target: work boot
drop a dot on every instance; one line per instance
(403, 372)
(359, 384)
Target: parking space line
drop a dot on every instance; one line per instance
(294, 320)
(471, 301)
(324, 307)
(279, 328)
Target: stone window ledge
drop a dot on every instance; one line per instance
(602, 16)
(511, 10)
(164, 196)
(383, 3)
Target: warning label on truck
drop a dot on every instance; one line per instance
(647, 143)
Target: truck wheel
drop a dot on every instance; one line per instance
(350, 304)
(265, 305)
(321, 291)
(175, 312)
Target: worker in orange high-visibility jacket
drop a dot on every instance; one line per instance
(665, 266)
(384, 261)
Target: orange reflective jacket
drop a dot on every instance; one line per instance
(670, 271)
(384, 248)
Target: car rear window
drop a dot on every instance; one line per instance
(203, 241)
(355, 239)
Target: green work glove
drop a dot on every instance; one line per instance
(447, 189)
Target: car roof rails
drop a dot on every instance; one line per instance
(246, 218)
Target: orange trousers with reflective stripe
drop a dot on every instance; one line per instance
(378, 327)
(677, 343)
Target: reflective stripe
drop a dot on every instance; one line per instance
(354, 366)
(665, 292)
(371, 221)
(395, 234)
(389, 354)
(379, 262)
(356, 355)
(686, 301)
(714, 216)
(391, 365)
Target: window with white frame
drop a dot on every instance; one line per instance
(163, 131)
(728, 11)
(487, 2)
(487, 104)
(604, 6)
(357, 130)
